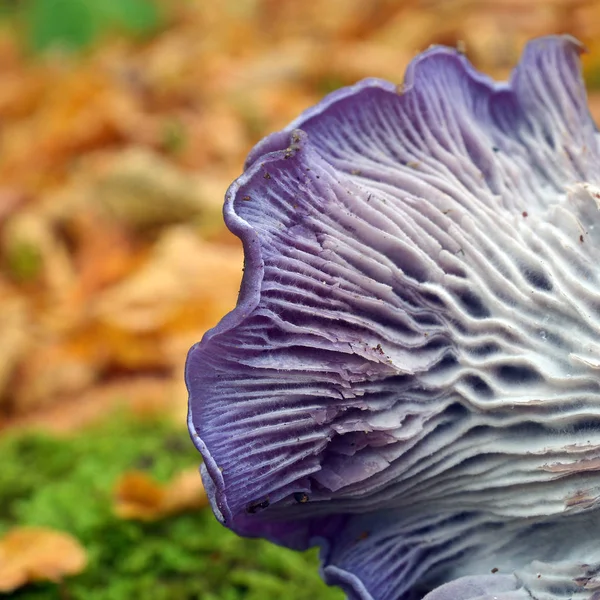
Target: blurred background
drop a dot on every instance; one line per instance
(122, 123)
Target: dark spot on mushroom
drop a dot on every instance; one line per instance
(495, 149)
(478, 386)
(409, 266)
(581, 238)
(495, 570)
(525, 214)
(267, 176)
(473, 305)
(301, 497)
(427, 319)
(485, 350)
(432, 299)
(446, 364)
(537, 279)
(254, 507)
(549, 140)
(517, 374)
(246, 198)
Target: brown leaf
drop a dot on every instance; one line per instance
(30, 554)
(14, 342)
(595, 106)
(47, 371)
(184, 275)
(143, 395)
(139, 496)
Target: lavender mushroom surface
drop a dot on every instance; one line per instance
(411, 378)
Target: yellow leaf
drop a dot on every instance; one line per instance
(139, 496)
(30, 554)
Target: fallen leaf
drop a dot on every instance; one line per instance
(595, 105)
(49, 370)
(14, 342)
(141, 189)
(183, 275)
(139, 496)
(145, 396)
(30, 554)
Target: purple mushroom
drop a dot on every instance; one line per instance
(411, 378)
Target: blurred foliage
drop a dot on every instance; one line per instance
(113, 255)
(67, 484)
(77, 24)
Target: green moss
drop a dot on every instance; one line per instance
(75, 25)
(330, 83)
(24, 262)
(592, 79)
(173, 136)
(67, 484)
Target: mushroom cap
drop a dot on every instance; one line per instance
(410, 377)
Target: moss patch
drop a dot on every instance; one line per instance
(67, 484)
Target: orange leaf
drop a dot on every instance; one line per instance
(30, 554)
(139, 496)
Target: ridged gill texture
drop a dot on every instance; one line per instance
(411, 378)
